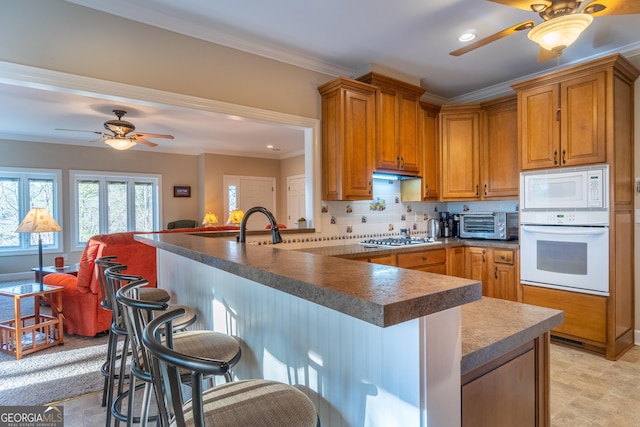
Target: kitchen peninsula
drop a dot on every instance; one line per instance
(370, 344)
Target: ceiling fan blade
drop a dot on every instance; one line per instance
(100, 139)
(522, 4)
(526, 25)
(612, 7)
(76, 130)
(546, 55)
(152, 135)
(144, 141)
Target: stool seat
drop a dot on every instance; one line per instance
(154, 294)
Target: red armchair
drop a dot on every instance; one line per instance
(81, 296)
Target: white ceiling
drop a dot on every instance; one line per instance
(338, 37)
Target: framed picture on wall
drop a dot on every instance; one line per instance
(184, 191)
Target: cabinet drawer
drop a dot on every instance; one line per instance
(417, 259)
(503, 256)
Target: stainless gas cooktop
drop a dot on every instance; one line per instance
(398, 242)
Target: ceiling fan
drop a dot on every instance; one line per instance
(119, 137)
(562, 22)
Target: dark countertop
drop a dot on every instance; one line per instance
(377, 294)
(492, 327)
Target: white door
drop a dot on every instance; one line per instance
(296, 201)
(251, 191)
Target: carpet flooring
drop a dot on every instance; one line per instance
(51, 374)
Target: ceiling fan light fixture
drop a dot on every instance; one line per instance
(559, 33)
(119, 143)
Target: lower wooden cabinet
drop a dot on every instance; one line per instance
(456, 262)
(432, 261)
(389, 259)
(509, 391)
(497, 269)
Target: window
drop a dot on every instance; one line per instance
(20, 190)
(112, 202)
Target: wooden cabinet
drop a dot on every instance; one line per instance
(431, 160)
(511, 390)
(563, 123)
(348, 139)
(455, 261)
(389, 259)
(497, 269)
(578, 116)
(432, 261)
(499, 149)
(479, 150)
(460, 142)
(398, 141)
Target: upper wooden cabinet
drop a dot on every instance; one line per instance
(568, 118)
(460, 142)
(348, 139)
(499, 149)
(432, 162)
(398, 141)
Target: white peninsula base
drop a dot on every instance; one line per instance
(356, 373)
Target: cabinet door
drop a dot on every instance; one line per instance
(455, 262)
(539, 127)
(348, 140)
(409, 155)
(500, 171)
(475, 266)
(431, 152)
(386, 157)
(460, 155)
(582, 122)
(503, 282)
(380, 259)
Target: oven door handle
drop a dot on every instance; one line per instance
(563, 230)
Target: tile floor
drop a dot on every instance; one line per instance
(586, 391)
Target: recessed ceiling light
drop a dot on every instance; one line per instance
(269, 146)
(467, 37)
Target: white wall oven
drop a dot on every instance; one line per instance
(564, 229)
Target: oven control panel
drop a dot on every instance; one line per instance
(565, 218)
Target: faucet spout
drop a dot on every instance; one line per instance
(275, 232)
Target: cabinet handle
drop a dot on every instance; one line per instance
(558, 115)
(485, 189)
(564, 157)
(369, 187)
(483, 256)
(495, 274)
(477, 190)
(502, 257)
(424, 258)
(426, 190)
(398, 162)
(555, 157)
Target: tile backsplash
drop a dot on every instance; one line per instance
(385, 215)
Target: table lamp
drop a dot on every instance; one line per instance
(38, 220)
(209, 220)
(235, 217)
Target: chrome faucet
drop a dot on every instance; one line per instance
(275, 233)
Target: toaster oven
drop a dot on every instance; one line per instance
(489, 225)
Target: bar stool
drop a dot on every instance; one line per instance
(110, 377)
(114, 280)
(261, 403)
(137, 314)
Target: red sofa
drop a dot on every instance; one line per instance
(81, 295)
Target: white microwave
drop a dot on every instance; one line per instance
(583, 188)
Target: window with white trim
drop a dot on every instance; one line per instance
(20, 190)
(113, 202)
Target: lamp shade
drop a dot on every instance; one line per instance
(235, 217)
(558, 33)
(119, 143)
(209, 220)
(38, 220)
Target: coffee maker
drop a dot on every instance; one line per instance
(445, 230)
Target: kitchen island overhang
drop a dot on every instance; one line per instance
(371, 345)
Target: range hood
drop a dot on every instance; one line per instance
(390, 176)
